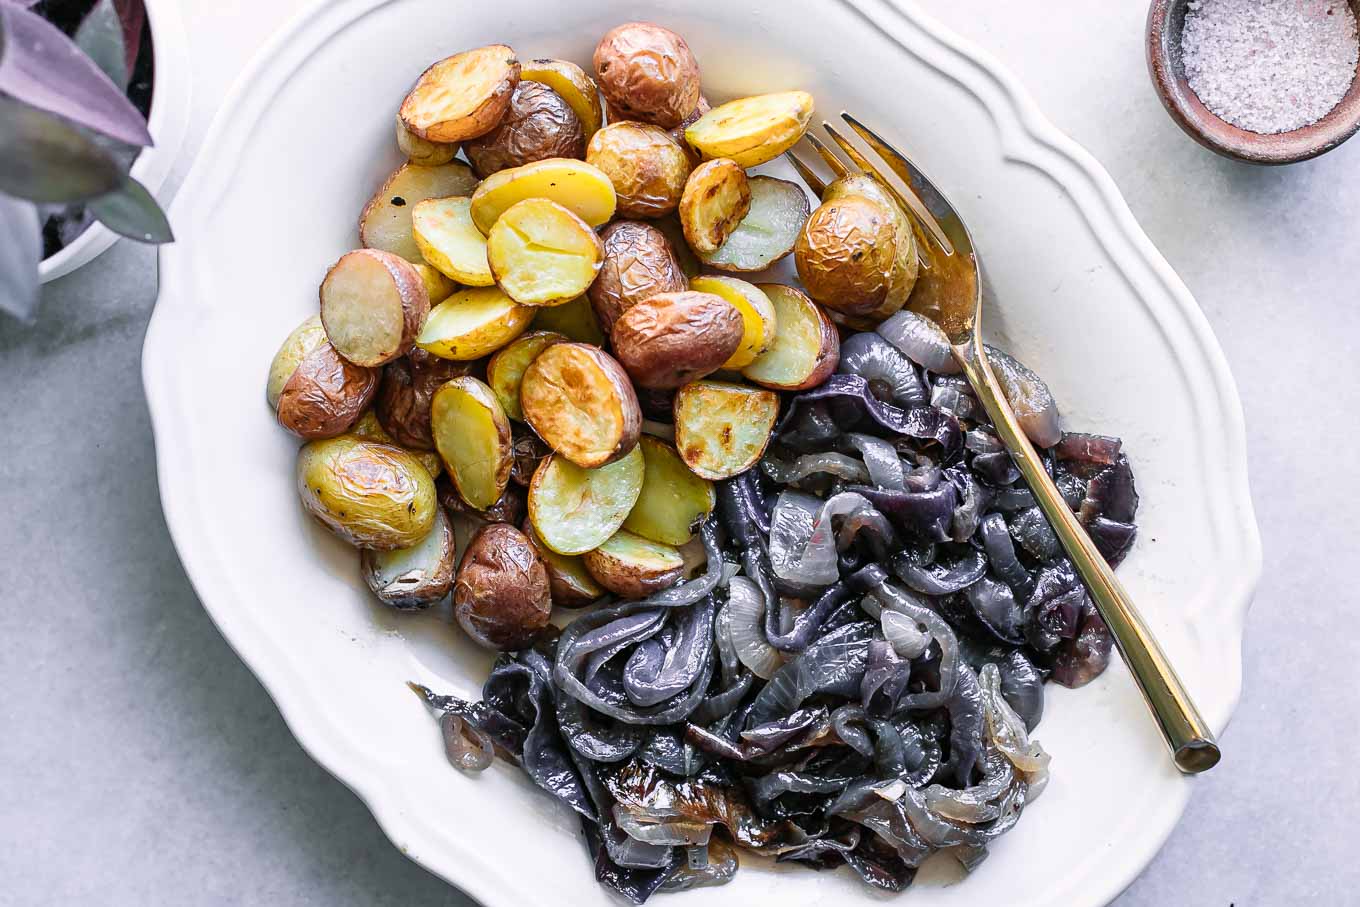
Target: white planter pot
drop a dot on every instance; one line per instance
(167, 123)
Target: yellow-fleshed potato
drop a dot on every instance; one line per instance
(647, 73)
(757, 315)
(673, 500)
(437, 285)
(410, 579)
(408, 386)
(569, 581)
(631, 566)
(449, 240)
(313, 391)
(472, 435)
(806, 347)
(538, 124)
(646, 166)
(581, 403)
(639, 262)
(722, 429)
(575, 320)
(769, 230)
(506, 369)
(575, 185)
(752, 131)
(571, 82)
(717, 196)
(542, 254)
(369, 494)
(674, 338)
(386, 220)
(473, 323)
(422, 151)
(575, 510)
(462, 96)
(370, 428)
(501, 597)
(373, 304)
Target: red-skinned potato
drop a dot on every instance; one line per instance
(674, 338)
(569, 581)
(529, 450)
(571, 82)
(631, 566)
(501, 597)
(806, 347)
(313, 390)
(639, 262)
(646, 166)
(408, 385)
(647, 73)
(410, 579)
(580, 401)
(373, 304)
(678, 133)
(538, 124)
(462, 96)
(510, 508)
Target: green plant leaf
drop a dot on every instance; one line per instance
(19, 256)
(45, 159)
(132, 211)
(100, 35)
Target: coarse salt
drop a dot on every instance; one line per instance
(1270, 66)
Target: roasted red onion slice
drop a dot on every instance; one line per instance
(920, 341)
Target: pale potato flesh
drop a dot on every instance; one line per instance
(752, 131)
(722, 429)
(631, 566)
(542, 254)
(473, 323)
(806, 347)
(569, 581)
(576, 320)
(437, 286)
(423, 151)
(450, 241)
(415, 577)
(673, 500)
(717, 196)
(461, 96)
(575, 510)
(580, 401)
(386, 220)
(571, 82)
(769, 230)
(472, 435)
(372, 303)
(575, 185)
(505, 371)
(757, 313)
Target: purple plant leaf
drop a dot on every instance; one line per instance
(44, 68)
(132, 211)
(45, 159)
(132, 14)
(100, 36)
(19, 256)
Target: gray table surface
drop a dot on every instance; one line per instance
(140, 763)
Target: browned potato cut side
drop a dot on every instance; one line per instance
(422, 151)
(575, 185)
(581, 403)
(473, 438)
(631, 566)
(538, 124)
(673, 500)
(450, 241)
(769, 230)
(569, 581)
(542, 254)
(722, 429)
(757, 315)
(370, 495)
(717, 196)
(575, 320)
(752, 131)
(501, 597)
(806, 347)
(674, 338)
(639, 262)
(386, 220)
(413, 578)
(646, 166)
(408, 386)
(575, 510)
(571, 82)
(647, 73)
(506, 369)
(372, 306)
(473, 323)
(370, 429)
(462, 96)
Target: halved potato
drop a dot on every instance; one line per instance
(575, 320)
(717, 196)
(752, 131)
(722, 429)
(369, 494)
(413, 578)
(404, 395)
(506, 369)
(372, 306)
(757, 314)
(678, 133)
(806, 347)
(646, 166)
(569, 581)
(631, 566)
(673, 500)
(473, 323)
(639, 262)
(472, 436)
(575, 185)
(542, 254)
(313, 391)
(437, 285)
(450, 241)
(371, 429)
(462, 96)
(674, 338)
(769, 230)
(581, 402)
(386, 220)
(422, 151)
(571, 82)
(575, 510)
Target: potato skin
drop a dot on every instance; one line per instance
(647, 73)
(846, 252)
(639, 262)
(529, 450)
(511, 508)
(370, 495)
(501, 597)
(408, 386)
(314, 391)
(674, 338)
(419, 585)
(569, 584)
(678, 133)
(646, 166)
(538, 124)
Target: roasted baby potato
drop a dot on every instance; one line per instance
(631, 566)
(313, 391)
(370, 429)
(371, 495)
(646, 166)
(576, 88)
(673, 338)
(678, 133)
(462, 96)
(639, 262)
(506, 369)
(372, 306)
(422, 151)
(501, 598)
(722, 429)
(542, 254)
(569, 581)
(510, 507)
(473, 323)
(670, 226)
(574, 510)
(647, 73)
(538, 124)
(581, 403)
(448, 239)
(437, 285)
(574, 320)
(575, 185)
(757, 315)
(408, 386)
(806, 347)
(673, 500)
(769, 230)
(413, 578)
(386, 220)
(529, 451)
(717, 196)
(752, 131)
(472, 435)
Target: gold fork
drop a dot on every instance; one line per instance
(948, 292)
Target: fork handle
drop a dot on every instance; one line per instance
(1192, 743)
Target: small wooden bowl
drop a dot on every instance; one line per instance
(1166, 19)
